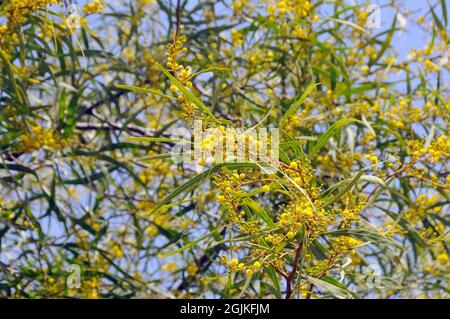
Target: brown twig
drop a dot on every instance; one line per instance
(178, 19)
(298, 253)
(113, 127)
(397, 172)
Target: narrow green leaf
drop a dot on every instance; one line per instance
(276, 283)
(192, 184)
(254, 206)
(331, 286)
(136, 89)
(186, 92)
(294, 107)
(349, 183)
(329, 134)
(386, 42)
(193, 243)
(318, 250)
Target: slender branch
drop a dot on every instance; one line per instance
(290, 278)
(178, 19)
(113, 126)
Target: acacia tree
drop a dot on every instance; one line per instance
(92, 204)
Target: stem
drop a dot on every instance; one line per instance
(298, 253)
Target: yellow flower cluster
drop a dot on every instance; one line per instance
(192, 269)
(235, 266)
(169, 267)
(419, 212)
(437, 149)
(5, 213)
(181, 73)
(345, 243)
(38, 136)
(159, 219)
(234, 144)
(341, 161)
(117, 251)
(149, 61)
(430, 66)
(237, 37)
(443, 258)
(145, 3)
(17, 10)
(159, 168)
(361, 17)
(299, 212)
(350, 215)
(295, 121)
(96, 6)
(3, 30)
(90, 288)
(299, 172)
(299, 8)
(238, 5)
(230, 184)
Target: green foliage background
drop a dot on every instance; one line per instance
(78, 187)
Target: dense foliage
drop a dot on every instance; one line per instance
(357, 206)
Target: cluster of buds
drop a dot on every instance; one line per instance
(181, 73)
(300, 172)
(38, 136)
(235, 266)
